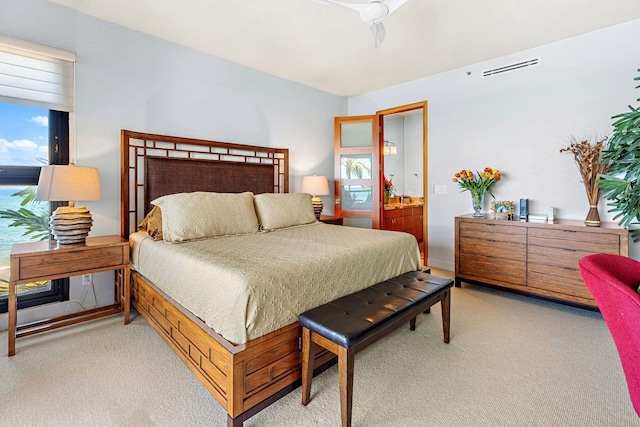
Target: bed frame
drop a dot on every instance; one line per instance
(243, 378)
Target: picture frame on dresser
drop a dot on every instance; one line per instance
(502, 209)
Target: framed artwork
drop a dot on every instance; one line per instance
(502, 210)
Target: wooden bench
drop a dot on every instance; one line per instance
(349, 324)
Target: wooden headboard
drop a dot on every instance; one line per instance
(157, 165)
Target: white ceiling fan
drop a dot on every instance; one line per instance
(372, 14)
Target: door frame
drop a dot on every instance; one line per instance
(425, 207)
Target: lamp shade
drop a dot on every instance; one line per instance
(60, 182)
(315, 185)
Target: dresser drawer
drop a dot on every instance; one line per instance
(493, 248)
(493, 232)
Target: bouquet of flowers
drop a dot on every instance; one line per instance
(480, 182)
(388, 186)
(477, 184)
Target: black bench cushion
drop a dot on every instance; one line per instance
(348, 320)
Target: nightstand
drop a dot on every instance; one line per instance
(37, 261)
(334, 220)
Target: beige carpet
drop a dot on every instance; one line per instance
(512, 361)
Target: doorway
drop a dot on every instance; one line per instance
(403, 169)
(360, 145)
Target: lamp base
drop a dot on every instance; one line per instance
(317, 206)
(70, 225)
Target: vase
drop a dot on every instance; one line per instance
(593, 217)
(386, 197)
(477, 198)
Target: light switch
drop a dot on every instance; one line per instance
(441, 189)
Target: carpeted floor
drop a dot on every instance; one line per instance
(512, 361)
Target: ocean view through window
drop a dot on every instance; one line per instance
(24, 148)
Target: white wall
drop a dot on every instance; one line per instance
(128, 80)
(394, 163)
(517, 122)
(413, 155)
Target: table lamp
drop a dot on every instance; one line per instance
(58, 183)
(316, 186)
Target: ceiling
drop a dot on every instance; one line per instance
(327, 47)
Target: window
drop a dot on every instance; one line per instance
(29, 138)
(36, 96)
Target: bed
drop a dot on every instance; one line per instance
(243, 344)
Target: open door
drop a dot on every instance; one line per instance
(357, 170)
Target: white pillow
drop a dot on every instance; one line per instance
(281, 210)
(198, 215)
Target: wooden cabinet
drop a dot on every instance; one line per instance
(408, 219)
(540, 259)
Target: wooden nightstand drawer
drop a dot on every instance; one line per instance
(52, 263)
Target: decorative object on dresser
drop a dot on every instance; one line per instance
(58, 183)
(622, 156)
(539, 218)
(587, 157)
(477, 185)
(534, 259)
(316, 186)
(502, 210)
(36, 261)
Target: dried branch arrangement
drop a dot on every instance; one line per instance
(587, 157)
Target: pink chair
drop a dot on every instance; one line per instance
(613, 280)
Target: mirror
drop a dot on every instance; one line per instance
(403, 152)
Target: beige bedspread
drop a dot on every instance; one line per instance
(246, 286)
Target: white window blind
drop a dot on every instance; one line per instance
(36, 75)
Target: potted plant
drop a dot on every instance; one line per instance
(620, 185)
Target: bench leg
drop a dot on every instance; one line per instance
(412, 324)
(345, 371)
(308, 357)
(445, 304)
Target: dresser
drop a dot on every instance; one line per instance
(533, 258)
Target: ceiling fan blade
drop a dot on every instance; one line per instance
(394, 4)
(378, 33)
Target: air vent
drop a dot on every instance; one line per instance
(511, 67)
